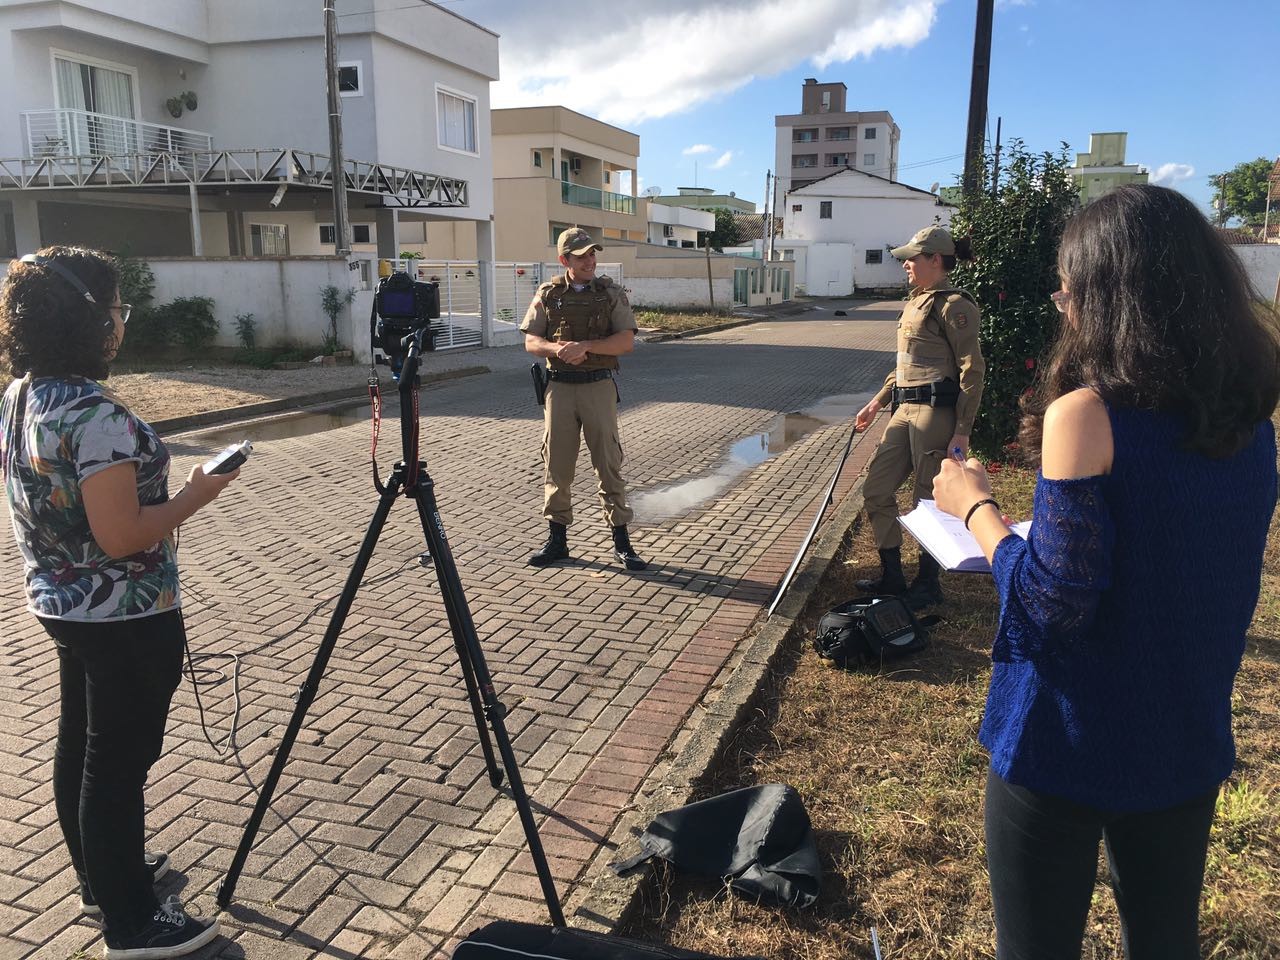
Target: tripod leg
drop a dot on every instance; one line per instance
(307, 692)
(480, 683)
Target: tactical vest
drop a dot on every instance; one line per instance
(924, 352)
(579, 315)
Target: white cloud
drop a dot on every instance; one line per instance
(595, 71)
(723, 160)
(697, 148)
(1171, 174)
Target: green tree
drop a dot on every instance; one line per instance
(1241, 192)
(1014, 231)
(332, 302)
(726, 233)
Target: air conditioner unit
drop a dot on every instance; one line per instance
(668, 230)
(575, 164)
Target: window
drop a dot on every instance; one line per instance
(797, 207)
(556, 230)
(351, 79)
(673, 243)
(360, 233)
(268, 240)
(837, 133)
(606, 176)
(826, 100)
(875, 256)
(837, 159)
(537, 158)
(805, 136)
(868, 159)
(824, 210)
(805, 160)
(456, 121)
(869, 133)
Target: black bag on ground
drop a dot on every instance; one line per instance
(869, 629)
(507, 940)
(757, 839)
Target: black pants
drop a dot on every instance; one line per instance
(1042, 854)
(117, 679)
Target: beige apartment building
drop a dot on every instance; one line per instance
(825, 137)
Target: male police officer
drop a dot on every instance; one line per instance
(581, 324)
(934, 390)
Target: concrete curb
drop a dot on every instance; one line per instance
(607, 901)
(699, 331)
(250, 410)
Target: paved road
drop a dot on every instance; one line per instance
(385, 837)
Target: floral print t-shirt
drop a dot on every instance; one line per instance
(72, 428)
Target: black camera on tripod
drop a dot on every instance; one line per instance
(402, 308)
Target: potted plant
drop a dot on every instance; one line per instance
(174, 106)
(189, 99)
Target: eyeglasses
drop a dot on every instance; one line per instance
(1060, 299)
(125, 309)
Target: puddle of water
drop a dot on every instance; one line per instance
(666, 503)
(291, 425)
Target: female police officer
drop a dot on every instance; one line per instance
(934, 391)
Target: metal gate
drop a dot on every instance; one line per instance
(461, 324)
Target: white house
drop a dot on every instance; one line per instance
(200, 127)
(673, 226)
(840, 229)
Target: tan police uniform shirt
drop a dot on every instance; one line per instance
(938, 340)
(620, 316)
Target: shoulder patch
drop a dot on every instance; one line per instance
(959, 310)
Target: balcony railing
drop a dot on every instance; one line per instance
(79, 133)
(581, 196)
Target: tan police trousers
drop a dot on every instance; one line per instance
(574, 411)
(915, 441)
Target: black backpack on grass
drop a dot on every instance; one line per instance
(867, 630)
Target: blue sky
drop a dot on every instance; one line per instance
(1186, 79)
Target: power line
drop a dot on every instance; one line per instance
(420, 5)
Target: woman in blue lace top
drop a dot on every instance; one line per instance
(87, 484)
(1123, 616)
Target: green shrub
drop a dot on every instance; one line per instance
(332, 300)
(246, 331)
(1015, 236)
(186, 322)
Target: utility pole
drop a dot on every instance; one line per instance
(995, 167)
(767, 225)
(978, 95)
(337, 164)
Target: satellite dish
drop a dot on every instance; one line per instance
(934, 188)
(652, 192)
(732, 194)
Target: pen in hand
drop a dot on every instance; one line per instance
(958, 454)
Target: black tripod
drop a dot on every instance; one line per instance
(418, 486)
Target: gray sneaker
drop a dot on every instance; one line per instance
(157, 863)
(171, 933)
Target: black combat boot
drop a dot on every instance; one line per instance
(925, 591)
(556, 547)
(623, 551)
(891, 581)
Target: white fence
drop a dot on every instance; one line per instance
(80, 133)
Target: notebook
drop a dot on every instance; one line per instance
(945, 537)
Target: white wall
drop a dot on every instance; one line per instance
(282, 294)
(679, 292)
(1262, 261)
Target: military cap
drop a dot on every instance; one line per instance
(929, 240)
(577, 241)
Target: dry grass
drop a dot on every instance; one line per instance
(892, 775)
(677, 321)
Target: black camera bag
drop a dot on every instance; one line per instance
(508, 940)
(868, 630)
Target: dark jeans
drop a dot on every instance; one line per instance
(117, 679)
(1042, 854)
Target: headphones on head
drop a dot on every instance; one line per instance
(68, 275)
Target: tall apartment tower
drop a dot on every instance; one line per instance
(824, 138)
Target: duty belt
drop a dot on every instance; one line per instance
(941, 394)
(578, 376)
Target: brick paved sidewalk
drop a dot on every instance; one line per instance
(385, 837)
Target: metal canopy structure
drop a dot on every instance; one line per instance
(397, 186)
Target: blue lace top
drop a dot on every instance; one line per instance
(1123, 619)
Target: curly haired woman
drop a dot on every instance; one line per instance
(87, 486)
